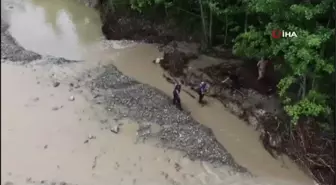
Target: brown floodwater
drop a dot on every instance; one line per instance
(68, 29)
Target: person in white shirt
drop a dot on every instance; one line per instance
(262, 64)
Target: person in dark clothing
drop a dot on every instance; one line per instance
(176, 96)
(201, 91)
(235, 84)
(235, 81)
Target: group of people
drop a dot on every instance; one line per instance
(203, 87)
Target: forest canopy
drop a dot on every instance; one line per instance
(306, 62)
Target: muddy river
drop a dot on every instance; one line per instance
(44, 144)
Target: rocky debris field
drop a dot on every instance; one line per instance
(177, 56)
(10, 50)
(146, 104)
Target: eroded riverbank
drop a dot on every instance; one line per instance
(149, 106)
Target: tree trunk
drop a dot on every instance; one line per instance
(203, 22)
(210, 27)
(246, 22)
(226, 28)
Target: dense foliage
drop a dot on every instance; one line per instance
(306, 62)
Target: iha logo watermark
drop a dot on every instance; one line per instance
(277, 34)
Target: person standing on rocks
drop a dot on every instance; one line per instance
(176, 96)
(203, 87)
(235, 84)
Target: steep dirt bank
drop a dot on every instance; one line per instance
(130, 25)
(252, 103)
